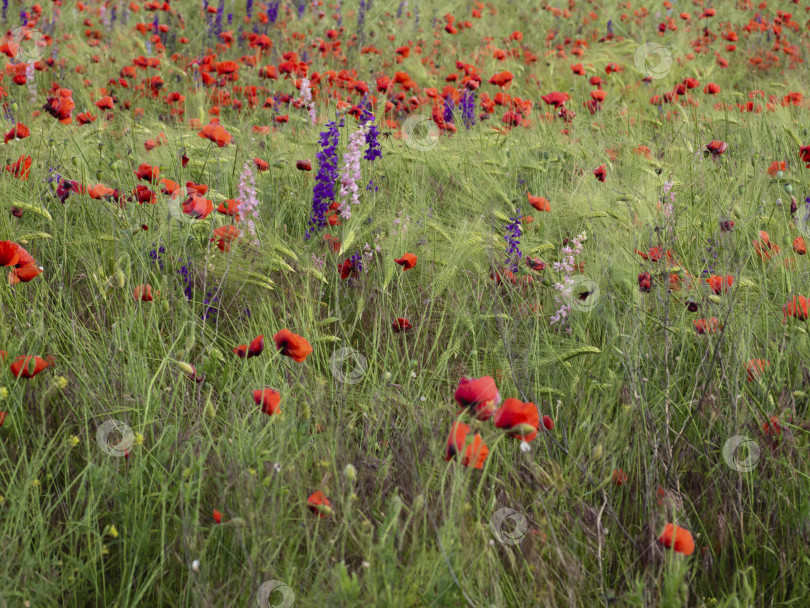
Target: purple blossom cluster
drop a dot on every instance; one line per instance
(468, 108)
(324, 191)
(513, 233)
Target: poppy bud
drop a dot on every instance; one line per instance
(691, 306)
(597, 452)
(548, 423)
(715, 299)
(350, 472)
(737, 211)
(209, 410)
(186, 368)
(789, 188)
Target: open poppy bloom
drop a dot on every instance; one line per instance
(473, 454)
(22, 168)
(519, 419)
(269, 399)
(24, 267)
(797, 307)
(600, 173)
(799, 246)
(706, 326)
(261, 165)
(479, 395)
(229, 207)
(292, 345)
(20, 131)
(720, 284)
(198, 207)
(407, 261)
(678, 539)
(619, 477)
(717, 147)
(28, 366)
(143, 293)
(402, 325)
(539, 203)
(216, 133)
(148, 173)
(764, 247)
(776, 167)
(256, 348)
(318, 503)
(535, 264)
(755, 367)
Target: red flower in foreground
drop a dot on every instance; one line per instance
(22, 168)
(619, 477)
(797, 307)
(148, 173)
(261, 165)
(407, 261)
(600, 173)
(269, 399)
(539, 203)
(292, 345)
(474, 453)
(217, 516)
(678, 539)
(717, 147)
(143, 293)
(799, 246)
(28, 366)
(720, 284)
(804, 154)
(304, 165)
(24, 267)
(216, 133)
(318, 503)
(479, 395)
(402, 325)
(256, 347)
(18, 132)
(776, 167)
(518, 419)
(755, 367)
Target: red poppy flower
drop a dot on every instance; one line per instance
(600, 173)
(645, 282)
(717, 147)
(269, 399)
(198, 207)
(402, 325)
(318, 503)
(143, 293)
(216, 133)
(347, 269)
(2, 417)
(105, 103)
(619, 477)
(20, 131)
(85, 118)
(474, 454)
(229, 207)
(678, 539)
(711, 89)
(548, 423)
(144, 195)
(799, 246)
(303, 165)
(479, 395)
(22, 168)
(535, 264)
(292, 345)
(28, 366)
(61, 106)
(147, 173)
(797, 307)
(804, 154)
(261, 165)
(518, 419)
(9, 253)
(555, 99)
(755, 367)
(407, 261)
(719, 284)
(776, 167)
(24, 269)
(256, 348)
(764, 247)
(217, 516)
(706, 326)
(539, 202)
(501, 79)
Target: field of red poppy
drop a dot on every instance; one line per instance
(376, 303)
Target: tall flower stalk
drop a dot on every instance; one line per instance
(306, 99)
(565, 287)
(513, 233)
(324, 191)
(249, 202)
(351, 172)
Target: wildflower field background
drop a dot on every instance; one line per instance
(373, 303)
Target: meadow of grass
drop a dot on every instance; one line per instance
(137, 470)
